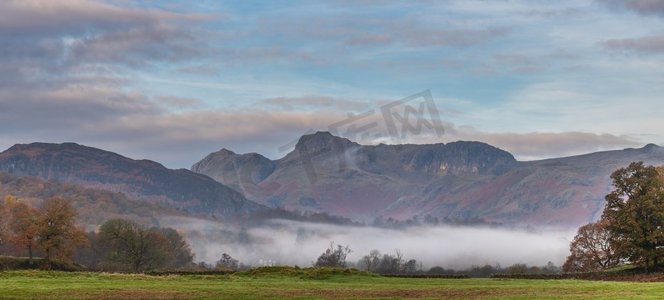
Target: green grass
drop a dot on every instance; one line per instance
(276, 283)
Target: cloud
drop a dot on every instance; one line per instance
(41, 17)
(179, 102)
(314, 101)
(648, 45)
(62, 108)
(137, 46)
(540, 145)
(644, 7)
(356, 29)
(53, 42)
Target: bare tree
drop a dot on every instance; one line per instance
(334, 257)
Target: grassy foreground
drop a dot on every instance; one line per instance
(302, 284)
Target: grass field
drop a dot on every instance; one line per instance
(303, 284)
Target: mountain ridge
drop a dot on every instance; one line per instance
(141, 179)
(459, 181)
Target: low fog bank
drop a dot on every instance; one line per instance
(281, 242)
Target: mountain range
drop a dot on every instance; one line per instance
(459, 182)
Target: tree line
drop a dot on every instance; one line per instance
(631, 229)
(396, 264)
(50, 232)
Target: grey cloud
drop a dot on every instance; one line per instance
(444, 37)
(520, 63)
(366, 31)
(46, 41)
(552, 13)
(318, 102)
(540, 145)
(179, 102)
(67, 107)
(271, 54)
(644, 7)
(648, 45)
(134, 46)
(65, 16)
(205, 70)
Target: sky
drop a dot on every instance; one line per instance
(172, 81)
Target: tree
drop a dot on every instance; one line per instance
(227, 262)
(550, 268)
(517, 269)
(91, 254)
(635, 214)
(180, 254)
(57, 234)
(370, 262)
(411, 266)
(130, 246)
(5, 220)
(333, 257)
(591, 249)
(24, 227)
(388, 265)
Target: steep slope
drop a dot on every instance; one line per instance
(141, 179)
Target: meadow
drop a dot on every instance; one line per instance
(280, 283)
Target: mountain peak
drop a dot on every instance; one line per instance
(651, 148)
(323, 140)
(225, 152)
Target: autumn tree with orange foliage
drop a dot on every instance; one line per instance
(57, 234)
(23, 226)
(5, 218)
(591, 249)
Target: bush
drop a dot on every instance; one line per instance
(23, 263)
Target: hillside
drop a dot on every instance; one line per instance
(93, 206)
(139, 179)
